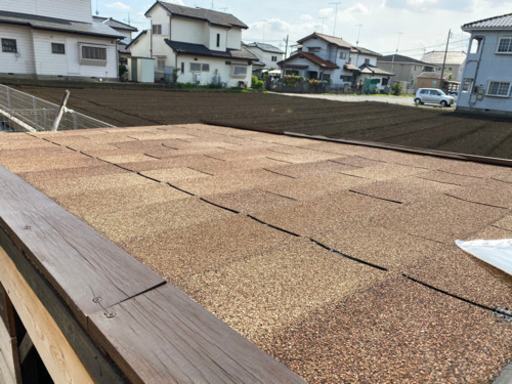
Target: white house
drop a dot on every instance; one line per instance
(46, 40)
(267, 54)
(333, 59)
(203, 45)
(124, 29)
(487, 75)
(404, 68)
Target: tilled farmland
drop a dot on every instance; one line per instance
(370, 121)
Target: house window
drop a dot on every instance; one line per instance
(156, 29)
(218, 39)
(93, 55)
(346, 79)
(239, 70)
(160, 64)
(505, 45)
(343, 55)
(385, 81)
(466, 85)
(314, 49)
(366, 61)
(58, 48)
(274, 58)
(182, 67)
(326, 77)
(498, 88)
(198, 67)
(9, 45)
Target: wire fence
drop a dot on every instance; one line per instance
(20, 111)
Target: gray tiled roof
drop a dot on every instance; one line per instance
(213, 17)
(437, 57)
(503, 22)
(113, 23)
(53, 24)
(400, 59)
(201, 50)
(265, 47)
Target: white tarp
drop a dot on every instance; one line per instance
(495, 252)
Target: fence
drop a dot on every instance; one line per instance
(20, 111)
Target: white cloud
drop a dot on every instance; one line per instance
(306, 18)
(118, 6)
(326, 12)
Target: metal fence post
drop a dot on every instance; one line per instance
(45, 120)
(9, 104)
(75, 120)
(34, 103)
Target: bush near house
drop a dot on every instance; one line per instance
(256, 83)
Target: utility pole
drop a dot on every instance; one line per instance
(335, 17)
(396, 51)
(444, 59)
(285, 56)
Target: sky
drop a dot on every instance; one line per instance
(408, 27)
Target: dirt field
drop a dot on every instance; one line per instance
(372, 121)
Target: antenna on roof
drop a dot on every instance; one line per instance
(97, 13)
(358, 33)
(335, 17)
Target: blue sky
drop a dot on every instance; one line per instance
(411, 26)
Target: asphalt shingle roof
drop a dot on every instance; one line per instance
(337, 259)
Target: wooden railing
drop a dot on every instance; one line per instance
(95, 314)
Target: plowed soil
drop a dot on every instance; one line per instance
(372, 121)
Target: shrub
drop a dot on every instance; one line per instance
(256, 83)
(396, 89)
(292, 80)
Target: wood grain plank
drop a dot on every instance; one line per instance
(99, 366)
(9, 365)
(6, 312)
(163, 336)
(87, 270)
(57, 354)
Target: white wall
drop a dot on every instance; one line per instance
(212, 43)
(68, 64)
(234, 38)
(189, 31)
(78, 10)
(35, 55)
(21, 62)
(217, 67)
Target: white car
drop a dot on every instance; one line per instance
(433, 96)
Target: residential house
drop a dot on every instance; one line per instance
(405, 69)
(453, 63)
(204, 46)
(487, 78)
(335, 60)
(45, 41)
(124, 29)
(268, 56)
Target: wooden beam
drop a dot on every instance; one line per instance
(9, 364)
(99, 366)
(25, 346)
(88, 271)
(162, 336)
(57, 354)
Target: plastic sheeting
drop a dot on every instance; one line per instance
(498, 253)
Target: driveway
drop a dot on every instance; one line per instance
(400, 100)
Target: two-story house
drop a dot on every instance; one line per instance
(268, 56)
(404, 68)
(124, 29)
(453, 62)
(487, 77)
(335, 60)
(43, 40)
(202, 45)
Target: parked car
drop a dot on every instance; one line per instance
(433, 96)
